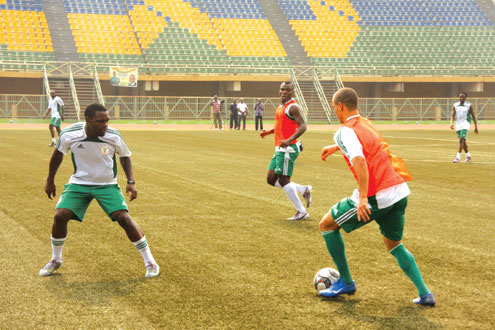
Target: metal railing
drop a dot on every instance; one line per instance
(299, 95)
(77, 108)
(96, 79)
(322, 96)
(198, 108)
(46, 84)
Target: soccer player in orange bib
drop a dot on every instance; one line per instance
(381, 196)
(289, 125)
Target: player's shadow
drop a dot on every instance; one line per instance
(406, 317)
(98, 293)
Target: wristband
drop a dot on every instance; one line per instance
(131, 182)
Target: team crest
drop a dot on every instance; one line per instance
(105, 150)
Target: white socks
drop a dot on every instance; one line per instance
(53, 140)
(143, 248)
(57, 246)
(300, 188)
(291, 192)
(468, 154)
(458, 155)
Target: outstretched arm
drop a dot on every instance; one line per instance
(130, 187)
(55, 161)
(328, 150)
(265, 133)
(296, 114)
(474, 119)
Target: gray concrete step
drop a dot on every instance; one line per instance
(295, 51)
(63, 42)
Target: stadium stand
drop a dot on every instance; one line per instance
(174, 32)
(103, 32)
(24, 34)
(395, 34)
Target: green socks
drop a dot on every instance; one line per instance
(406, 262)
(336, 248)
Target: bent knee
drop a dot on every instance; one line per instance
(121, 216)
(327, 223)
(62, 215)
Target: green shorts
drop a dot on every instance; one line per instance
(77, 198)
(462, 133)
(282, 163)
(390, 219)
(55, 122)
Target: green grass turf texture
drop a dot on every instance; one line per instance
(228, 258)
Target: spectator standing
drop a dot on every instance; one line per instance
(233, 115)
(242, 111)
(216, 111)
(258, 112)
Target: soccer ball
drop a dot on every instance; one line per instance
(325, 277)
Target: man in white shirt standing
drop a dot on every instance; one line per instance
(93, 145)
(242, 111)
(462, 113)
(56, 108)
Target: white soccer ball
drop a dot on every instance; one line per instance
(325, 277)
(11, 121)
(154, 122)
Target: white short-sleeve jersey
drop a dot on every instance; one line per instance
(55, 106)
(241, 108)
(348, 142)
(93, 158)
(462, 116)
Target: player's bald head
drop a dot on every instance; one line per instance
(347, 96)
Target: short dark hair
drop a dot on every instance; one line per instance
(465, 94)
(288, 82)
(90, 110)
(347, 96)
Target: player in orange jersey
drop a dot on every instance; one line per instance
(381, 196)
(289, 125)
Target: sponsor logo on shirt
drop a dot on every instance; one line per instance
(80, 146)
(105, 150)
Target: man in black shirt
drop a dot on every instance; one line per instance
(233, 114)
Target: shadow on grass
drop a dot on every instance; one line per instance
(99, 293)
(406, 317)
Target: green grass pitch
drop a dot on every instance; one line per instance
(228, 258)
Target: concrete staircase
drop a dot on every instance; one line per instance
(295, 51)
(86, 92)
(62, 89)
(63, 42)
(488, 7)
(315, 109)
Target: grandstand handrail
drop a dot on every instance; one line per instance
(46, 83)
(96, 79)
(299, 95)
(74, 93)
(84, 68)
(338, 80)
(322, 96)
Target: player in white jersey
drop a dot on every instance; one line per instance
(462, 112)
(56, 108)
(93, 146)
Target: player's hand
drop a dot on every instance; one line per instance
(327, 151)
(63, 118)
(43, 118)
(476, 130)
(285, 143)
(263, 133)
(131, 191)
(363, 211)
(50, 189)
(451, 126)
